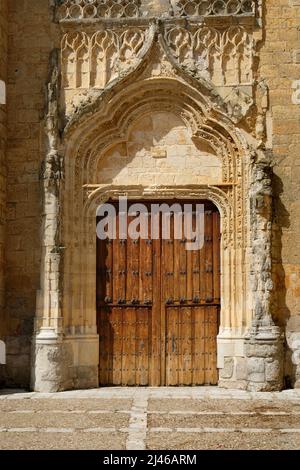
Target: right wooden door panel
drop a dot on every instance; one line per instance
(191, 357)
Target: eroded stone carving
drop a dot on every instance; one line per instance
(264, 341)
(223, 56)
(96, 9)
(213, 7)
(93, 60)
(238, 104)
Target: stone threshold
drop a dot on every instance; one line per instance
(153, 393)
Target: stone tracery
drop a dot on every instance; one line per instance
(224, 57)
(213, 7)
(93, 9)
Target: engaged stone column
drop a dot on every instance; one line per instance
(264, 341)
(49, 355)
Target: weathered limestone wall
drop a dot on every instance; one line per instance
(29, 50)
(280, 65)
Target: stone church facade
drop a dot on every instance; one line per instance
(155, 100)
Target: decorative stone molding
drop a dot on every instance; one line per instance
(224, 57)
(93, 60)
(213, 7)
(86, 10)
(70, 10)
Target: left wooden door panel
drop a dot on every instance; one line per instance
(125, 346)
(125, 277)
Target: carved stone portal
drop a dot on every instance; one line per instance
(159, 106)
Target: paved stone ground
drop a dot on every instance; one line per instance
(150, 418)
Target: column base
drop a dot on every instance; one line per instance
(231, 360)
(64, 362)
(264, 350)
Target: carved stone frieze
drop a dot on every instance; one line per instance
(81, 10)
(96, 9)
(213, 7)
(93, 60)
(224, 57)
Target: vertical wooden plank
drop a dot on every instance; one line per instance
(198, 346)
(184, 346)
(130, 270)
(101, 271)
(142, 346)
(122, 274)
(176, 267)
(207, 345)
(119, 267)
(167, 289)
(146, 268)
(156, 348)
(172, 350)
(216, 257)
(202, 267)
(129, 347)
(108, 275)
(214, 355)
(104, 346)
(209, 257)
(212, 318)
(189, 268)
(168, 265)
(116, 267)
(133, 268)
(182, 270)
(116, 339)
(196, 275)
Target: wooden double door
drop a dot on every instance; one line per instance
(158, 308)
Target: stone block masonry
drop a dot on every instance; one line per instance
(31, 37)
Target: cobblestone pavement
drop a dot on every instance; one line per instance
(150, 418)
